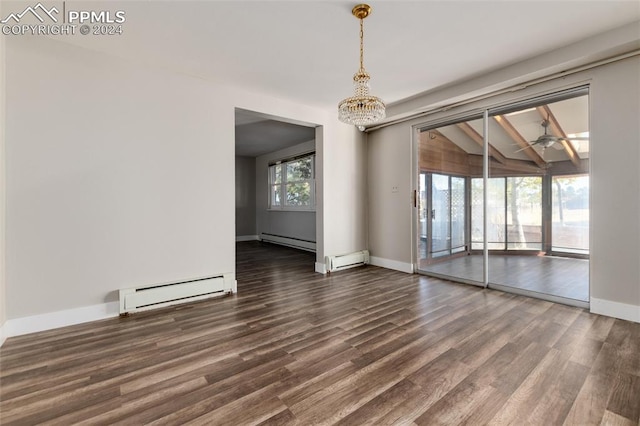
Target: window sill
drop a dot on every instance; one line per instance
(292, 210)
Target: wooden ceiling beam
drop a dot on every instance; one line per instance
(556, 130)
(511, 168)
(477, 138)
(520, 141)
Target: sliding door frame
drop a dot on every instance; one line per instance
(504, 107)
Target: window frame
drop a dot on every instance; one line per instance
(284, 183)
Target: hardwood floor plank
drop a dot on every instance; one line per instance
(62, 405)
(612, 419)
(456, 405)
(624, 398)
(555, 405)
(371, 412)
(362, 346)
(509, 378)
(527, 396)
(303, 385)
(128, 406)
(542, 331)
(589, 406)
(257, 407)
(345, 396)
(284, 417)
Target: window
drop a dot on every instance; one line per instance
(570, 214)
(447, 215)
(292, 184)
(514, 210)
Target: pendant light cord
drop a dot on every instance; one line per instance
(361, 43)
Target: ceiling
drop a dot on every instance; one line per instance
(257, 135)
(307, 51)
(511, 136)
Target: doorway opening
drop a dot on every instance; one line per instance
(275, 172)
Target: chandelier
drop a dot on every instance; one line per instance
(361, 109)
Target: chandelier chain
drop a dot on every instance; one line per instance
(361, 43)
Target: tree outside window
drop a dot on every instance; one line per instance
(292, 184)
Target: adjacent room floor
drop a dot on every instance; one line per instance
(556, 276)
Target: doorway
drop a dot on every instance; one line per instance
(275, 174)
(442, 221)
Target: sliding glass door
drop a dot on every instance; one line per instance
(444, 226)
(534, 198)
(445, 204)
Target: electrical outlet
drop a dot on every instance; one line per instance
(394, 189)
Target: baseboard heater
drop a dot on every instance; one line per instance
(345, 261)
(160, 295)
(289, 242)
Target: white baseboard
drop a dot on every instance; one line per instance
(247, 238)
(321, 268)
(289, 242)
(615, 309)
(391, 264)
(35, 323)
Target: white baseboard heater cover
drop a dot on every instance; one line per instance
(160, 295)
(289, 242)
(345, 261)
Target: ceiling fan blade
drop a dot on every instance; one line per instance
(522, 149)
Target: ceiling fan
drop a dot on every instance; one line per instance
(546, 140)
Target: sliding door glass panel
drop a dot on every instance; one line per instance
(450, 158)
(458, 214)
(496, 212)
(422, 218)
(477, 214)
(524, 213)
(440, 215)
(538, 192)
(570, 223)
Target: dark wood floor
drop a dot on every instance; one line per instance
(552, 275)
(364, 346)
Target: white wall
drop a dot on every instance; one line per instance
(615, 182)
(345, 189)
(245, 196)
(115, 178)
(3, 297)
(292, 224)
(390, 212)
(118, 175)
(615, 185)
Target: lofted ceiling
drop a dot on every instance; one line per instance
(512, 137)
